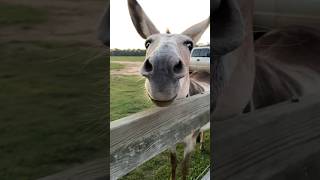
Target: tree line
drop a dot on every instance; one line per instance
(136, 52)
(127, 52)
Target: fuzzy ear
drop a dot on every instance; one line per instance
(195, 32)
(142, 23)
(229, 30)
(103, 29)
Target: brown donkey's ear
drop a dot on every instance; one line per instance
(142, 23)
(229, 31)
(103, 29)
(195, 32)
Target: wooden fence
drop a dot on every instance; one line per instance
(137, 138)
(277, 142)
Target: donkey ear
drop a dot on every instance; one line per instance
(195, 32)
(103, 29)
(229, 31)
(142, 23)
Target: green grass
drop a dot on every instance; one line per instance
(51, 108)
(116, 66)
(127, 58)
(159, 167)
(20, 14)
(127, 97)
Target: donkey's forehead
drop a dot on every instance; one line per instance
(169, 37)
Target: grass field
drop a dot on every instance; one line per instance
(116, 66)
(127, 97)
(19, 14)
(52, 93)
(127, 58)
(52, 108)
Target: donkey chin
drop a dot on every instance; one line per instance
(163, 96)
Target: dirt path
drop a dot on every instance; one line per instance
(74, 20)
(131, 68)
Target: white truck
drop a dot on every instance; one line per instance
(200, 59)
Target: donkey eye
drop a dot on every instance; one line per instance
(189, 45)
(147, 43)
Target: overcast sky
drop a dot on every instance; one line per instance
(177, 15)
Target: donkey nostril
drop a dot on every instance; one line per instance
(148, 66)
(178, 68)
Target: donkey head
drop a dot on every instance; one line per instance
(166, 66)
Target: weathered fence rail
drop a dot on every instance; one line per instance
(277, 142)
(137, 138)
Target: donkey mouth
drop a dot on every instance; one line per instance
(162, 103)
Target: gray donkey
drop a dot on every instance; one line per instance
(166, 69)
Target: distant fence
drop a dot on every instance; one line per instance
(277, 142)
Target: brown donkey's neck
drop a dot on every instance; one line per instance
(197, 82)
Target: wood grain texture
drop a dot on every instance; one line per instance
(137, 138)
(95, 170)
(271, 143)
